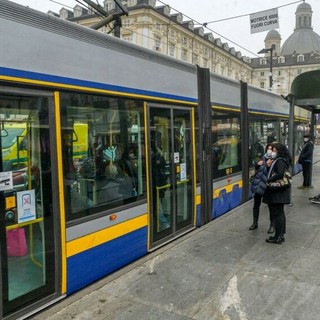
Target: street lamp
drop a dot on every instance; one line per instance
(266, 50)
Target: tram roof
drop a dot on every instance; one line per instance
(305, 89)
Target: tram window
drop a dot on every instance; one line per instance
(226, 146)
(103, 153)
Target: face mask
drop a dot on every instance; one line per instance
(305, 139)
(269, 152)
(273, 155)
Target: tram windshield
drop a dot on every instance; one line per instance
(103, 153)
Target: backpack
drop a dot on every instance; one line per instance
(259, 180)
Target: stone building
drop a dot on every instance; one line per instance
(157, 28)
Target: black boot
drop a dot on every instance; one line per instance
(254, 225)
(255, 219)
(271, 229)
(276, 240)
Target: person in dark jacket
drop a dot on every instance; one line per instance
(305, 159)
(277, 198)
(257, 197)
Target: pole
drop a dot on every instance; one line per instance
(244, 139)
(270, 75)
(205, 146)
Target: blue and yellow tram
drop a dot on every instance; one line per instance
(106, 165)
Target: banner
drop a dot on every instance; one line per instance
(264, 20)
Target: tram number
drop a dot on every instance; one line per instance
(228, 170)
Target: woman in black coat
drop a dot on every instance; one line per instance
(277, 198)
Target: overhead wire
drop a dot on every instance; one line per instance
(220, 35)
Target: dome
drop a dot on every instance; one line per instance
(301, 41)
(304, 39)
(304, 7)
(272, 34)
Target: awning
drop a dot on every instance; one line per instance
(305, 89)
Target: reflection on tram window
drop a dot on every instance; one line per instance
(103, 153)
(226, 146)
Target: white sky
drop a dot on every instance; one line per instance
(236, 30)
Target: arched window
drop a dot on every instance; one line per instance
(263, 61)
(300, 58)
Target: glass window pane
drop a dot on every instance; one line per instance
(226, 143)
(103, 153)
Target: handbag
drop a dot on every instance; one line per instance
(281, 184)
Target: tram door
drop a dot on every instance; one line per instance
(26, 213)
(171, 172)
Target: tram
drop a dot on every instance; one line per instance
(101, 162)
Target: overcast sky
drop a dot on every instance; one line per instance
(236, 32)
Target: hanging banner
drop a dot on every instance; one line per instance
(264, 20)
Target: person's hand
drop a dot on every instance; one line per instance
(269, 162)
(260, 162)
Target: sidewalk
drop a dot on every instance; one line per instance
(221, 271)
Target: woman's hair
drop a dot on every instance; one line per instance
(283, 152)
(268, 145)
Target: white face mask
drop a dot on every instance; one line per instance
(305, 139)
(273, 155)
(269, 152)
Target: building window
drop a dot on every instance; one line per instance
(279, 73)
(205, 63)
(157, 44)
(109, 5)
(299, 71)
(126, 23)
(172, 50)
(128, 38)
(263, 61)
(300, 58)
(262, 85)
(281, 60)
(131, 3)
(184, 40)
(184, 55)
(195, 59)
(262, 73)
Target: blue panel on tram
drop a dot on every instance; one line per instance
(91, 265)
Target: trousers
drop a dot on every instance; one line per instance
(278, 218)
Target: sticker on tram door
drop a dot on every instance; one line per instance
(6, 181)
(26, 205)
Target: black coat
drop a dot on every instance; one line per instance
(277, 196)
(306, 152)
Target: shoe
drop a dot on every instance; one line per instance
(275, 240)
(271, 229)
(317, 197)
(283, 239)
(309, 187)
(253, 226)
(315, 200)
(301, 187)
